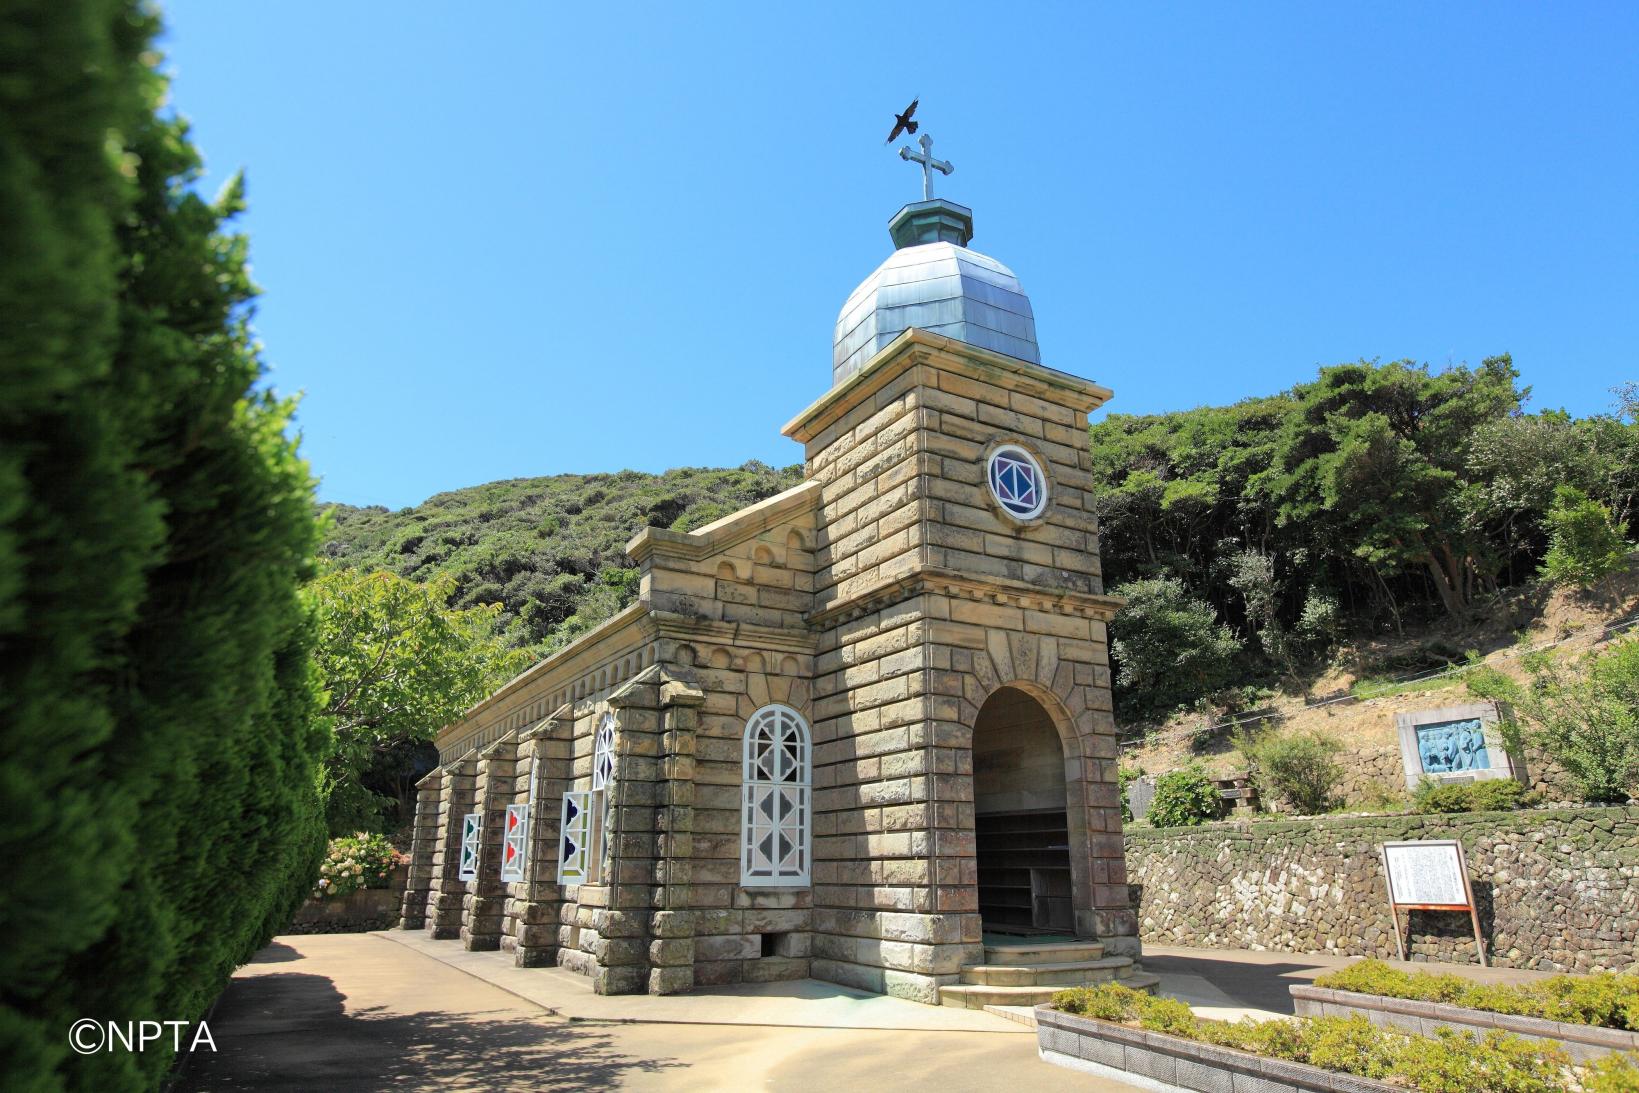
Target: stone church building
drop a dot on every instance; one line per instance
(859, 731)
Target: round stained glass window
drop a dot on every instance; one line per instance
(1017, 482)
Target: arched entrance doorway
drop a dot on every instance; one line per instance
(1021, 828)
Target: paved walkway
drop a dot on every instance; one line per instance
(346, 1012)
(1232, 983)
(803, 1003)
(350, 1012)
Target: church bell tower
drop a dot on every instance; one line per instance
(964, 747)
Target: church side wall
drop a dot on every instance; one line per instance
(886, 919)
(712, 930)
(870, 468)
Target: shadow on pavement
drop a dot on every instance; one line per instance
(291, 1030)
(1257, 986)
(274, 953)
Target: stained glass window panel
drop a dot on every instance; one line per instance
(577, 856)
(1017, 482)
(775, 821)
(472, 826)
(514, 842)
(603, 752)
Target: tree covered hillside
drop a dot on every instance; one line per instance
(1249, 537)
(548, 550)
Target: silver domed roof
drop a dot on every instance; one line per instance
(938, 286)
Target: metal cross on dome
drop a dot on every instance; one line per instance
(929, 164)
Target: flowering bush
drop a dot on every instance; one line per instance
(353, 862)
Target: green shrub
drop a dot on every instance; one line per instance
(1455, 1062)
(1169, 648)
(1492, 795)
(1126, 776)
(397, 663)
(1167, 1015)
(156, 525)
(1354, 1045)
(1583, 714)
(1450, 1062)
(1301, 767)
(1584, 542)
(1603, 998)
(1107, 1002)
(1617, 1072)
(1184, 798)
(353, 862)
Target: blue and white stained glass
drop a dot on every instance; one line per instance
(1450, 747)
(1017, 482)
(577, 850)
(472, 826)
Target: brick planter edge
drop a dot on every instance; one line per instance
(1583, 1043)
(1172, 1062)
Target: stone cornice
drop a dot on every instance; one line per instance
(744, 634)
(624, 630)
(989, 589)
(722, 534)
(496, 749)
(915, 347)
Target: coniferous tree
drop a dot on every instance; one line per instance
(156, 696)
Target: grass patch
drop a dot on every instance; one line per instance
(1364, 689)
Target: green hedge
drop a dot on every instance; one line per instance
(1449, 1062)
(1492, 795)
(156, 703)
(1603, 998)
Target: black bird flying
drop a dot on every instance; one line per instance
(902, 123)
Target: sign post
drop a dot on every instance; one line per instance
(1430, 875)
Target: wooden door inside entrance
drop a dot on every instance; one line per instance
(1024, 872)
(1021, 833)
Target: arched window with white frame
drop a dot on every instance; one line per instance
(776, 823)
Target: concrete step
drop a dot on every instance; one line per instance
(978, 996)
(1024, 1015)
(1073, 973)
(1047, 952)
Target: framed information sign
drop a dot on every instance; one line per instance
(1429, 875)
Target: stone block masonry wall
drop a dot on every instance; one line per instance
(485, 900)
(530, 927)
(447, 892)
(928, 600)
(1557, 889)
(357, 912)
(423, 844)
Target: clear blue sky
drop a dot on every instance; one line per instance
(507, 240)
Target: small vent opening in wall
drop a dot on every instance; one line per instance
(771, 944)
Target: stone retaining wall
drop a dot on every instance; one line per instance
(357, 912)
(1557, 889)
